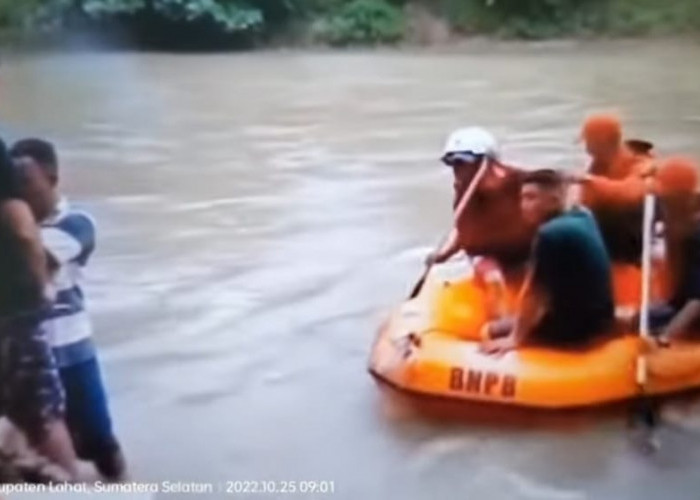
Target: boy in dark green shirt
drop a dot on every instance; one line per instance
(567, 298)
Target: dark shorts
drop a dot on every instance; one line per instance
(31, 393)
(660, 315)
(87, 412)
(562, 333)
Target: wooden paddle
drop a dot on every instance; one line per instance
(463, 202)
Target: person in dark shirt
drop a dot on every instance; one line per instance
(567, 297)
(676, 182)
(31, 393)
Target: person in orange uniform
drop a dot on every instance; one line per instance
(675, 184)
(491, 224)
(614, 185)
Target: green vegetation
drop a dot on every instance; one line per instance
(642, 17)
(538, 19)
(361, 21)
(228, 17)
(527, 19)
(216, 23)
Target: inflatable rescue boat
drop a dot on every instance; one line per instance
(430, 346)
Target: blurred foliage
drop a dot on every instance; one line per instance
(642, 17)
(535, 19)
(342, 22)
(361, 22)
(32, 14)
(229, 16)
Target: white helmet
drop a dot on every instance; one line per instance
(474, 140)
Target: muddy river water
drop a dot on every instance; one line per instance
(258, 213)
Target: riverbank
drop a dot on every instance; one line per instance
(219, 25)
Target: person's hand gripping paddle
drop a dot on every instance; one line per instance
(461, 207)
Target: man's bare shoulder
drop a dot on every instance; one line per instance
(15, 212)
(14, 206)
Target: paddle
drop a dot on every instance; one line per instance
(646, 411)
(644, 332)
(463, 202)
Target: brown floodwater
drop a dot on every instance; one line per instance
(258, 213)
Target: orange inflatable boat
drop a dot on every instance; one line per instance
(430, 346)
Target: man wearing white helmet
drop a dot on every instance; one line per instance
(490, 224)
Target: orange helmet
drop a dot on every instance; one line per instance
(602, 128)
(677, 175)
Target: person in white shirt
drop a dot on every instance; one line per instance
(68, 237)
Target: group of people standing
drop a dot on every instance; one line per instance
(525, 226)
(51, 388)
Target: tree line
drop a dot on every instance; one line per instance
(220, 23)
